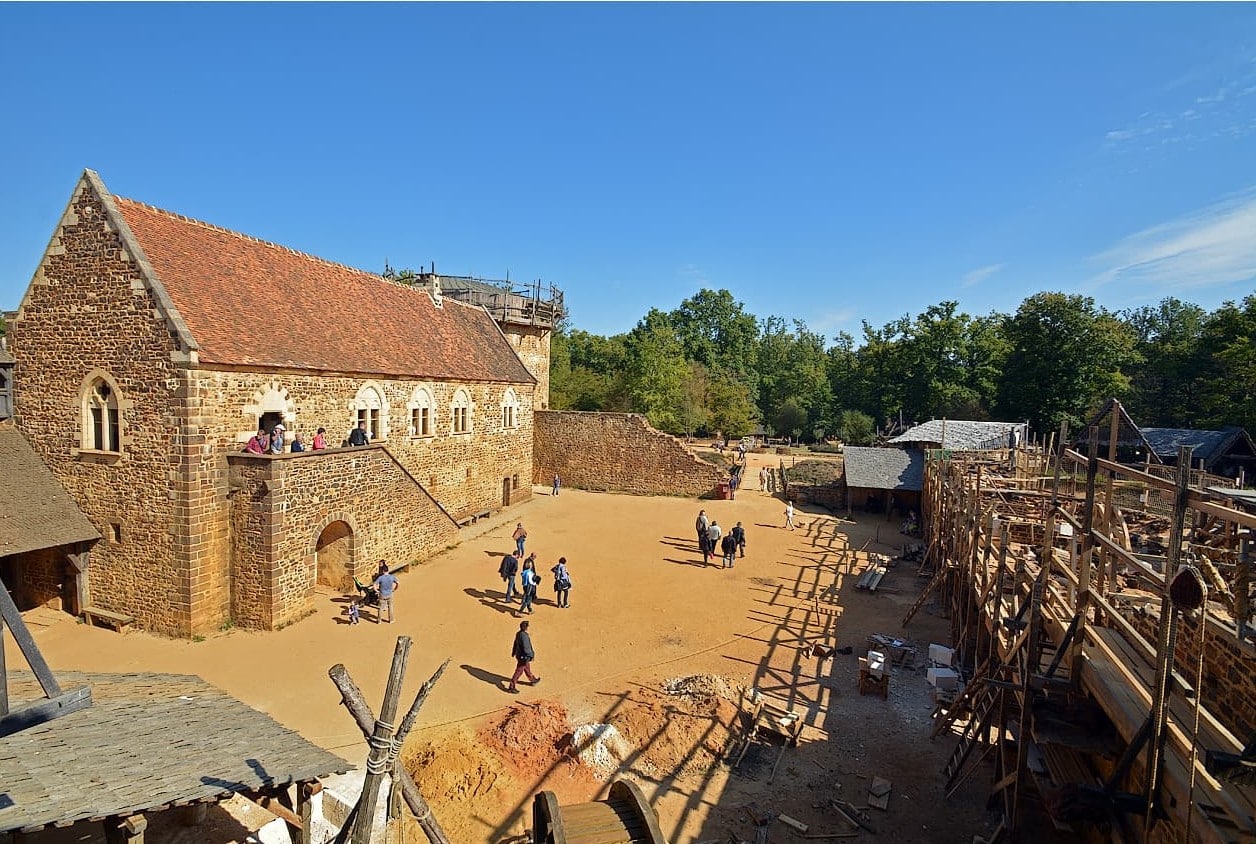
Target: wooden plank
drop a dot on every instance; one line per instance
(45, 710)
(21, 635)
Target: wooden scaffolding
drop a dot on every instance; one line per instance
(1051, 567)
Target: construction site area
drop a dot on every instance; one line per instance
(1012, 667)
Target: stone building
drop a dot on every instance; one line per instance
(150, 347)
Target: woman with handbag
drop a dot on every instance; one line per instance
(529, 578)
(562, 583)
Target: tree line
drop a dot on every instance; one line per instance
(709, 366)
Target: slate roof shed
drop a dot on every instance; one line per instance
(1218, 449)
(35, 511)
(959, 435)
(147, 742)
(884, 468)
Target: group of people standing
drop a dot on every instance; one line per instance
(529, 579)
(712, 539)
(276, 442)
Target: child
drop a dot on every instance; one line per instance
(353, 611)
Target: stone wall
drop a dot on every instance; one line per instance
(87, 312)
(616, 452)
(282, 504)
(163, 502)
(1229, 687)
(35, 578)
(532, 345)
(465, 473)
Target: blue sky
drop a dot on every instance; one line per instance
(829, 163)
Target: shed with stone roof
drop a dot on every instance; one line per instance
(149, 745)
(884, 479)
(151, 347)
(960, 435)
(1227, 453)
(45, 539)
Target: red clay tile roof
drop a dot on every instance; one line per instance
(248, 302)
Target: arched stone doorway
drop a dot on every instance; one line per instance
(333, 557)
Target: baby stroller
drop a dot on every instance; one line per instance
(370, 595)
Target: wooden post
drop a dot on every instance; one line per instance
(381, 744)
(4, 673)
(79, 563)
(1082, 608)
(1166, 643)
(355, 702)
(1242, 585)
(125, 830)
(305, 809)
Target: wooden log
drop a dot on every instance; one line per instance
(381, 749)
(355, 702)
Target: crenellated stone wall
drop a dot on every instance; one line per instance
(616, 452)
(88, 312)
(283, 503)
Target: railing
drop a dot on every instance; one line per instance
(530, 305)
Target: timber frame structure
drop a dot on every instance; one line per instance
(1094, 710)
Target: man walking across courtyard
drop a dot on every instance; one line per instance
(386, 584)
(520, 536)
(738, 533)
(508, 569)
(557, 484)
(789, 515)
(522, 651)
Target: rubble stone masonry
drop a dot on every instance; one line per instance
(1229, 686)
(283, 503)
(173, 525)
(87, 311)
(616, 452)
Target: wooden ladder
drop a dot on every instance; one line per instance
(975, 732)
(934, 583)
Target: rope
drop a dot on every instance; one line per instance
(1199, 694)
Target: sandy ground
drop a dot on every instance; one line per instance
(644, 610)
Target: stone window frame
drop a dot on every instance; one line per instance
(422, 400)
(461, 412)
(510, 409)
(115, 428)
(370, 405)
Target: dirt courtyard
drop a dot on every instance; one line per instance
(655, 644)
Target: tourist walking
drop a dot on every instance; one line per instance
(354, 613)
(523, 653)
(728, 546)
(733, 480)
(529, 579)
(701, 525)
(557, 483)
(714, 532)
(738, 533)
(789, 515)
(385, 584)
(562, 583)
(508, 570)
(520, 536)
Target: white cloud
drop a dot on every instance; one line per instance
(831, 320)
(1208, 248)
(972, 279)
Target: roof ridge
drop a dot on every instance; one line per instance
(183, 218)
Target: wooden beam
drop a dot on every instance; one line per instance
(45, 710)
(13, 618)
(377, 762)
(355, 703)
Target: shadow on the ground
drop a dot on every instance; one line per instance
(492, 600)
(501, 681)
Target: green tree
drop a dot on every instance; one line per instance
(856, 427)
(791, 417)
(1066, 356)
(731, 405)
(1165, 389)
(655, 371)
(693, 414)
(1227, 393)
(793, 364)
(716, 331)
